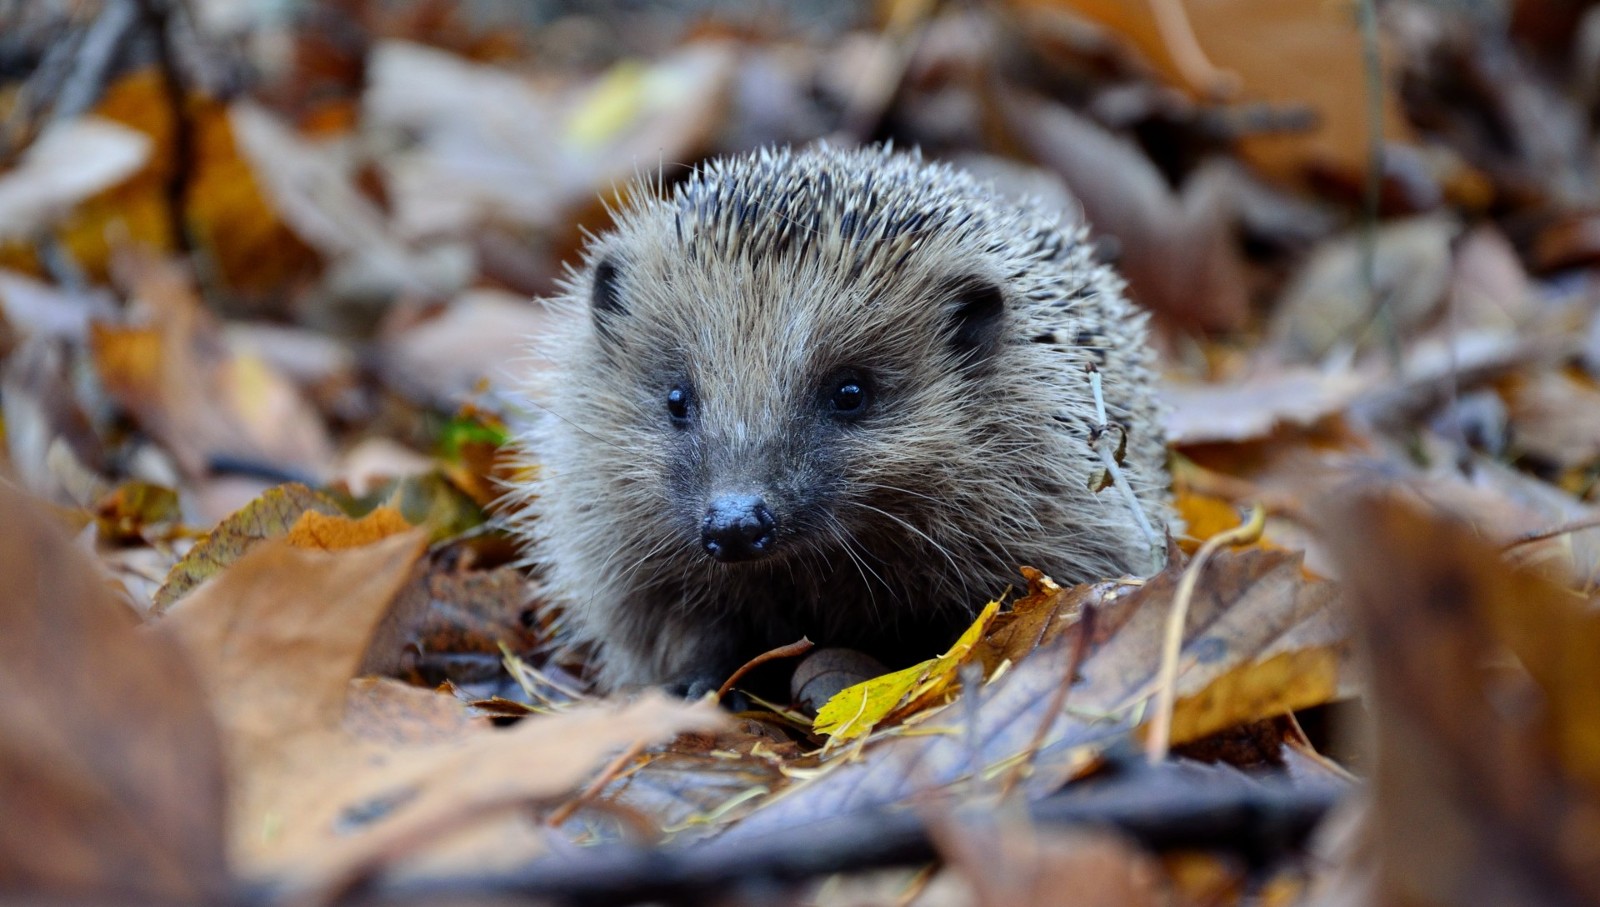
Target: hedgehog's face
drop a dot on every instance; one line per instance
(780, 415)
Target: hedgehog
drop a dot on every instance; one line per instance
(840, 394)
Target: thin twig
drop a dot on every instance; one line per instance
(1165, 810)
(1529, 538)
(1194, 67)
(1372, 60)
(798, 647)
(564, 812)
(99, 50)
(1099, 435)
(1160, 737)
(157, 19)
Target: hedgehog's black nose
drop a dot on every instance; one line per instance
(738, 527)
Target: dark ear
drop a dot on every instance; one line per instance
(976, 312)
(605, 298)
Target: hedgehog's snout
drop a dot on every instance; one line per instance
(739, 527)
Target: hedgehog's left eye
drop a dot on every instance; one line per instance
(678, 406)
(848, 396)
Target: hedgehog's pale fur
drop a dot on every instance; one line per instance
(752, 280)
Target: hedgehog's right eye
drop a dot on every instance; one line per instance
(678, 406)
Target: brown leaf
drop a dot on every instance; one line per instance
(323, 791)
(1283, 52)
(1328, 303)
(279, 633)
(1555, 418)
(445, 616)
(1010, 863)
(266, 517)
(1487, 776)
(178, 377)
(111, 772)
(1253, 407)
(311, 189)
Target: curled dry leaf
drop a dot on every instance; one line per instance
(1282, 52)
(447, 622)
(111, 769)
(1487, 773)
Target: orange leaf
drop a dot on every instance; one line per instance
(336, 532)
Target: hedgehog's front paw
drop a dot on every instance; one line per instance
(695, 686)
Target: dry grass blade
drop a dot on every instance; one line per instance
(1160, 738)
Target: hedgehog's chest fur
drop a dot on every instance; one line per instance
(842, 394)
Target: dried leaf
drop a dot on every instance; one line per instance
(441, 361)
(278, 637)
(1176, 251)
(66, 164)
(1282, 52)
(1497, 762)
(1010, 863)
(111, 770)
(337, 531)
(1253, 407)
(268, 516)
(202, 400)
(1329, 303)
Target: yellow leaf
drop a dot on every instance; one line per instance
(854, 711)
(1278, 685)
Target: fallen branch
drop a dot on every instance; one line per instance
(1171, 807)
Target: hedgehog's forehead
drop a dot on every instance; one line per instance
(798, 209)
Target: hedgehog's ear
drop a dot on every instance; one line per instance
(605, 298)
(975, 311)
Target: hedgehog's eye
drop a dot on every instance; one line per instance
(678, 406)
(848, 396)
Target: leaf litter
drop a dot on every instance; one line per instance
(260, 325)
